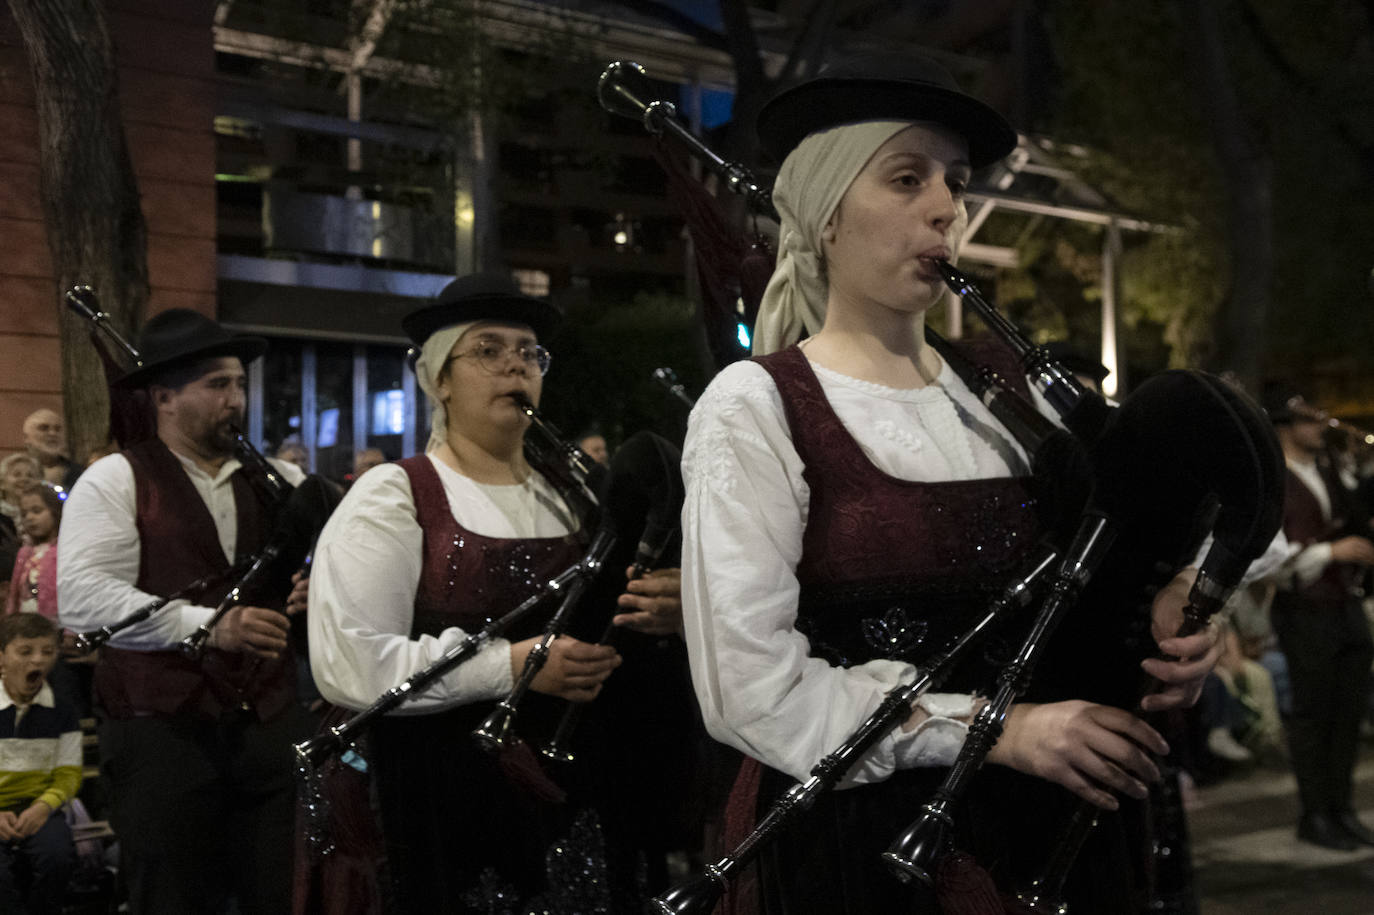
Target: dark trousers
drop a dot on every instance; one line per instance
(34, 871)
(204, 810)
(1329, 650)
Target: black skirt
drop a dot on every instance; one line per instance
(829, 862)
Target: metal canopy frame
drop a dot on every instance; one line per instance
(1034, 180)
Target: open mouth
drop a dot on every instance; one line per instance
(33, 679)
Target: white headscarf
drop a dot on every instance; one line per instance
(433, 355)
(813, 179)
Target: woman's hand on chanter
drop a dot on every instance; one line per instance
(1188, 660)
(654, 603)
(256, 630)
(574, 670)
(1090, 749)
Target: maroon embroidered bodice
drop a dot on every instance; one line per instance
(470, 579)
(893, 568)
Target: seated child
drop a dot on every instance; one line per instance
(40, 768)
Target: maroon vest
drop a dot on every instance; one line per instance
(177, 545)
(1304, 524)
(469, 579)
(892, 568)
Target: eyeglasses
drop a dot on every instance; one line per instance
(494, 356)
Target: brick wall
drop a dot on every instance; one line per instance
(165, 50)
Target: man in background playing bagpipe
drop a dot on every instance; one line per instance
(197, 751)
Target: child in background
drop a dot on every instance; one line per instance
(33, 588)
(40, 768)
(18, 474)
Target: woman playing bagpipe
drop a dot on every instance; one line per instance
(851, 506)
(427, 550)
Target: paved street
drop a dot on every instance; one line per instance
(1250, 863)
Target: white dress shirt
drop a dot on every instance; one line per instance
(367, 571)
(1310, 561)
(98, 551)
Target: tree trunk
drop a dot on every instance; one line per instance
(96, 232)
(1247, 171)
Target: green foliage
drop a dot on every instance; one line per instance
(604, 357)
(1305, 76)
(1127, 98)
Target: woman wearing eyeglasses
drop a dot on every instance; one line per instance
(420, 554)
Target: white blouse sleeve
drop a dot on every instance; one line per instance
(362, 596)
(98, 548)
(743, 520)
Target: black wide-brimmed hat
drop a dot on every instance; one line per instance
(481, 297)
(882, 86)
(180, 336)
(1284, 403)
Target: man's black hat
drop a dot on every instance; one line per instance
(180, 336)
(481, 297)
(883, 86)
(1284, 403)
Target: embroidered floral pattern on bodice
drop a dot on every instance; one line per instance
(893, 568)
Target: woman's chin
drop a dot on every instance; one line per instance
(915, 305)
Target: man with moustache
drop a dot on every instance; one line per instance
(44, 439)
(197, 752)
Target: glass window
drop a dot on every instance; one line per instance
(281, 394)
(334, 434)
(396, 419)
(387, 404)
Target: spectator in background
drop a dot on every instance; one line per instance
(45, 438)
(293, 452)
(18, 474)
(9, 552)
(594, 443)
(365, 460)
(33, 588)
(40, 770)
